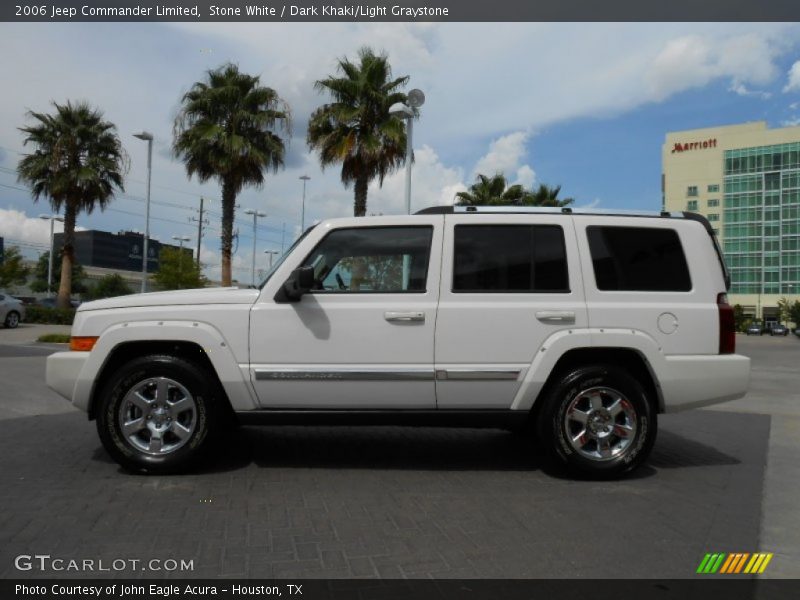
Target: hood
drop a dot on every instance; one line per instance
(228, 295)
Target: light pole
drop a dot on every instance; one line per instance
(148, 137)
(51, 218)
(303, 210)
(256, 214)
(415, 99)
(271, 254)
(181, 239)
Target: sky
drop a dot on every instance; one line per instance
(584, 106)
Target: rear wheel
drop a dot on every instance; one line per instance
(157, 414)
(597, 421)
(12, 319)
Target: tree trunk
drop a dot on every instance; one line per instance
(228, 203)
(67, 256)
(360, 206)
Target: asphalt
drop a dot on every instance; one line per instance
(393, 502)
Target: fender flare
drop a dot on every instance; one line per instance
(561, 342)
(237, 387)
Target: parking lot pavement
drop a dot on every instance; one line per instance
(28, 333)
(390, 502)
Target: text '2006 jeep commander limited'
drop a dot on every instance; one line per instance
(582, 324)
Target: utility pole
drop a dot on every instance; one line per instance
(199, 230)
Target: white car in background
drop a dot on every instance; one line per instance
(12, 311)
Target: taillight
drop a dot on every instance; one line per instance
(727, 327)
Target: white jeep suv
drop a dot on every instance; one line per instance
(582, 324)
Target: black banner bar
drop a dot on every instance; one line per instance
(401, 10)
(744, 588)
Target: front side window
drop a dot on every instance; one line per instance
(510, 258)
(372, 259)
(644, 259)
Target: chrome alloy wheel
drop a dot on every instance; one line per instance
(600, 423)
(157, 416)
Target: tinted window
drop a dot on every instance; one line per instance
(638, 259)
(372, 259)
(510, 258)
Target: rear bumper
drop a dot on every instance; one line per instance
(695, 381)
(63, 371)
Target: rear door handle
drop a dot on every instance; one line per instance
(405, 317)
(556, 316)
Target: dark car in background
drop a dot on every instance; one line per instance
(779, 329)
(755, 329)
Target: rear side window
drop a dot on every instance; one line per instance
(641, 259)
(510, 258)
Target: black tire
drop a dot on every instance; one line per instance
(207, 402)
(12, 320)
(572, 387)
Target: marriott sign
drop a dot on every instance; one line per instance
(711, 143)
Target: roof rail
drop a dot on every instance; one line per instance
(547, 210)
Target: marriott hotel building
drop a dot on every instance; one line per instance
(746, 180)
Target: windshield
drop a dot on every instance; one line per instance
(280, 260)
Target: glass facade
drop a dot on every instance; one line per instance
(761, 218)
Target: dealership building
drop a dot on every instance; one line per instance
(101, 253)
(746, 180)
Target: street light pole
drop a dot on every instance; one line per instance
(51, 218)
(256, 214)
(415, 99)
(181, 239)
(303, 211)
(148, 137)
(271, 253)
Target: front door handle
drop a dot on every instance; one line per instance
(556, 316)
(404, 317)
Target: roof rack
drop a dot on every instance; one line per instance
(547, 210)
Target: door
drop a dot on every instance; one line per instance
(509, 283)
(363, 338)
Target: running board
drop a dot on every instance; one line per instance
(493, 419)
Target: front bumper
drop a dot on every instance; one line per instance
(63, 371)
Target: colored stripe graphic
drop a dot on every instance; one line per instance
(734, 563)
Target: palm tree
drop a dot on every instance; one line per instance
(227, 129)
(487, 191)
(78, 163)
(356, 129)
(545, 195)
(492, 191)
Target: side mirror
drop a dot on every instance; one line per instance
(299, 282)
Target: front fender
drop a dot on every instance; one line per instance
(213, 343)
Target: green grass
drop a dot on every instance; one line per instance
(54, 338)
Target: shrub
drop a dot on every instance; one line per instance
(49, 316)
(54, 338)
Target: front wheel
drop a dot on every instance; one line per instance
(12, 320)
(597, 421)
(157, 414)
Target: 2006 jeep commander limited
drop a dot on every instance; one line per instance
(583, 324)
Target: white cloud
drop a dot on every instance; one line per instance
(694, 61)
(742, 90)
(526, 176)
(504, 154)
(16, 226)
(433, 183)
(791, 122)
(793, 78)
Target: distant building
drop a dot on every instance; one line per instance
(116, 251)
(746, 180)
